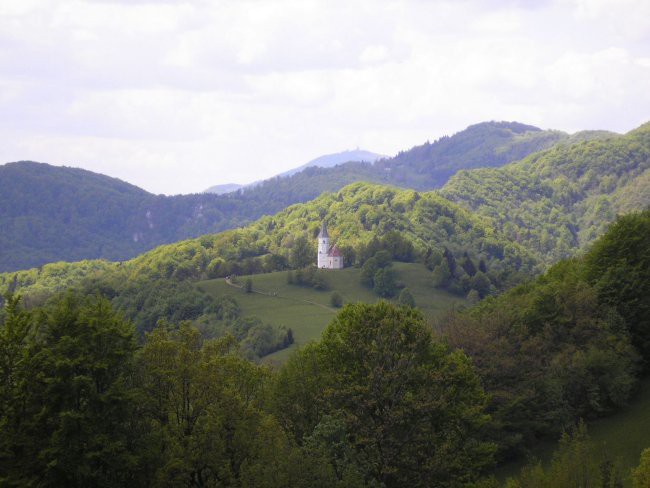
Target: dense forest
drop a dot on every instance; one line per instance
(52, 213)
(558, 200)
(413, 227)
(381, 399)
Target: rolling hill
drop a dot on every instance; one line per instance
(559, 200)
(50, 213)
(535, 211)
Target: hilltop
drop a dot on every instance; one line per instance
(325, 161)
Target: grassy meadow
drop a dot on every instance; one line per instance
(308, 311)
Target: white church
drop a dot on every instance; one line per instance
(328, 257)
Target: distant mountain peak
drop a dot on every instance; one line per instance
(325, 161)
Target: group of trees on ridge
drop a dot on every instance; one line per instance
(380, 400)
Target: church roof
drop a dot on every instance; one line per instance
(323, 231)
(334, 251)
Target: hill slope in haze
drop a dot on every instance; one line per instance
(424, 167)
(326, 161)
(50, 213)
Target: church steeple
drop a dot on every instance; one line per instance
(323, 232)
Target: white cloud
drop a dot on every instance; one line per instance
(176, 96)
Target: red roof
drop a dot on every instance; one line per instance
(334, 252)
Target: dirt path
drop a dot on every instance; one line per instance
(275, 295)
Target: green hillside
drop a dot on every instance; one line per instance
(557, 201)
(356, 215)
(50, 213)
(624, 435)
(308, 311)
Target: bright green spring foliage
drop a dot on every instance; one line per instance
(641, 474)
(410, 408)
(556, 201)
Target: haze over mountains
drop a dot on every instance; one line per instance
(326, 161)
(55, 213)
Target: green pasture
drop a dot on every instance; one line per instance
(307, 311)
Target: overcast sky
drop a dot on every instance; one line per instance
(177, 96)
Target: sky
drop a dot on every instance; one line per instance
(177, 96)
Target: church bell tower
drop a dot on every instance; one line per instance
(323, 246)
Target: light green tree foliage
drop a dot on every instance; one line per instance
(209, 424)
(302, 253)
(641, 474)
(409, 408)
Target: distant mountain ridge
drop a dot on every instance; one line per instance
(224, 188)
(329, 160)
(325, 161)
(50, 213)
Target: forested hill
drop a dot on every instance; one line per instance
(557, 201)
(50, 213)
(515, 220)
(363, 219)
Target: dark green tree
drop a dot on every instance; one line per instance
(336, 300)
(385, 283)
(441, 276)
(468, 265)
(80, 424)
(368, 271)
(451, 261)
(412, 409)
(302, 253)
(481, 283)
(618, 265)
(406, 299)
